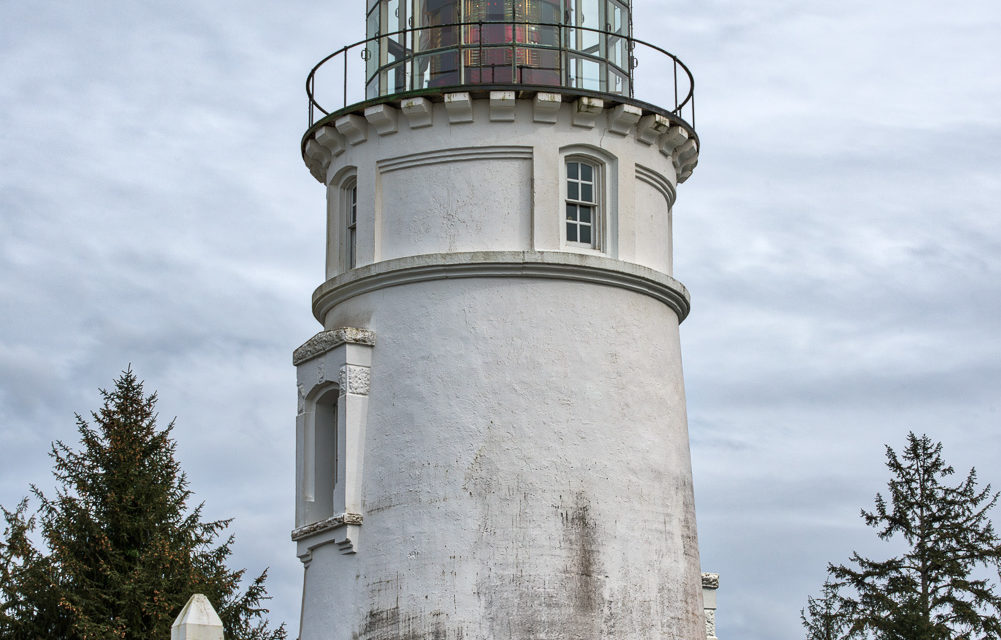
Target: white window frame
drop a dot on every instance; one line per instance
(333, 373)
(339, 209)
(602, 214)
(606, 186)
(574, 189)
(321, 455)
(349, 222)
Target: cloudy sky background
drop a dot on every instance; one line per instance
(841, 239)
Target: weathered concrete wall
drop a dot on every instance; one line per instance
(526, 467)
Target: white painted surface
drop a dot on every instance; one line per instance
(651, 228)
(198, 620)
(486, 184)
(416, 222)
(525, 460)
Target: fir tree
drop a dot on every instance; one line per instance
(938, 589)
(829, 616)
(122, 552)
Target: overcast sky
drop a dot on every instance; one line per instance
(841, 238)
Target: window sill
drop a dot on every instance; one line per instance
(341, 530)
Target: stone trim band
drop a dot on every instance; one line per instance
(502, 264)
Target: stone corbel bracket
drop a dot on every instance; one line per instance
(351, 126)
(340, 358)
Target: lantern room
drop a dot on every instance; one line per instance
(415, 45)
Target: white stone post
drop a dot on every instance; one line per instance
(710, 583)
(197, 621)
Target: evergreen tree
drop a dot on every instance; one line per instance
(829, 616)
(938, 589)
(123, 552)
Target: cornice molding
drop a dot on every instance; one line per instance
(658, 182)
(348, 127)
(552, 265)
(322, 526)
(460, 154)
(326, 341)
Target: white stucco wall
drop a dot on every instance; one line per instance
(651, 219)
(486, 184)
(425, 208)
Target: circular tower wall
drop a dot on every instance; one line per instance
(496, 403)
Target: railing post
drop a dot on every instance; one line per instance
(514, 53)
(676, 106)
(197, 621)
(408, 65)
(561, 51)
(693, 103)
(309, 94)
(630, 50)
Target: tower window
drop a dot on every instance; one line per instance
(351, 224)
(320, 457)
(582, 210)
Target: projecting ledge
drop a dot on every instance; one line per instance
(556, 265)
(326, 525)
(623, 116)
(341, 530)
(328, 340)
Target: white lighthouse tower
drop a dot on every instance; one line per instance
(491, 436)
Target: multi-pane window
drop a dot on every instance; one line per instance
(582, 203)
(351, 223)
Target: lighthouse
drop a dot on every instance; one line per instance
(491, 437)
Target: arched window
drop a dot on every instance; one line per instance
(583, 197)
(342, 221)
(320, 455)
(330, 432)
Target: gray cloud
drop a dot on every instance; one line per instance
(841, 238)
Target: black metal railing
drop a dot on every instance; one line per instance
(468, 55)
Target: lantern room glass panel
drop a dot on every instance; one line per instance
(426, 44)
